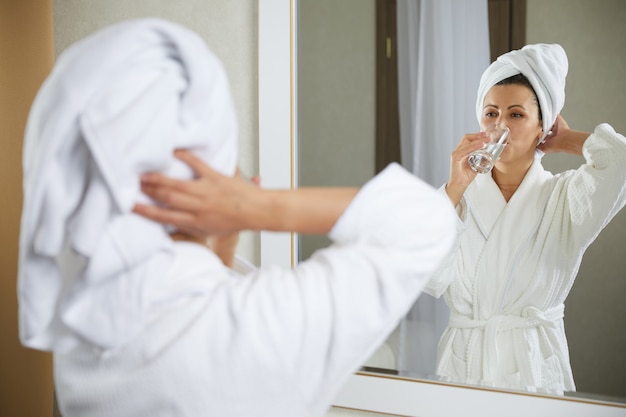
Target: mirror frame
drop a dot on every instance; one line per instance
(277, 116)
(278, 167)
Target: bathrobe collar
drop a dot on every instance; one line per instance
(498, 222)
(486, 203)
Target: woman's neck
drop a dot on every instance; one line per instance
(509, 177)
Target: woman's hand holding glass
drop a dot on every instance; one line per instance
(461, 173)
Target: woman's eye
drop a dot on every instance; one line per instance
(516, 115)
(491, 114)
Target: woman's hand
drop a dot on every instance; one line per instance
(211, 204)
(563, 139)
(214, 204)
(461, 173)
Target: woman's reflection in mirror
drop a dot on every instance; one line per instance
(522, 231)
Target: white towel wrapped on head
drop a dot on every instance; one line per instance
(545, 66)
(117, 104)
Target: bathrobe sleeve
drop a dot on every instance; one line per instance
(345, 300)
(596, 191)
(583, 202)
(272, 341)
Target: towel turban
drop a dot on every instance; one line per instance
(545, 66)
(116, 104)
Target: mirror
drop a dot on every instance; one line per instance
(336, 104)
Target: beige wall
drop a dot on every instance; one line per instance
(593, 34)
(26, 57)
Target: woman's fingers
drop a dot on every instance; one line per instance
(174, 194)
(211, 203)
(468, 144)
(189, 195)
(556, 140)
(196, 224)
(198, 166)
(162, 187)
(192, 231)
(154, 181)
(180, 219)
(461, 174)
(469, 147)
(473, 140)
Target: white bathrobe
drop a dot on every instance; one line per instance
(274, 342)
(515, 265)
(141, 326)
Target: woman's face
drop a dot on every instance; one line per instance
(515, 106)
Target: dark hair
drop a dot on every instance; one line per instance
(521, 79)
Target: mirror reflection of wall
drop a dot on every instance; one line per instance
(596, 92)
(336, 86)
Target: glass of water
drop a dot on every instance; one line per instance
(483, 160)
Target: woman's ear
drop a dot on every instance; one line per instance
(540, 139)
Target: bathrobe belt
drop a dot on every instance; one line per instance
(529, 317)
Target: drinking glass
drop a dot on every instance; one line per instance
(483, 160)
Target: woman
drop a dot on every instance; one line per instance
(522, 231)
(146, 320)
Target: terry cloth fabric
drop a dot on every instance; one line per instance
(116, 104)
(545, 66)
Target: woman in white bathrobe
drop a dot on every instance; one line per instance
(522, 231)
(144, 320)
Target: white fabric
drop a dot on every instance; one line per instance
(514, 267)
(443, 48)
(115, 105)
(274, 342)
(545, 66)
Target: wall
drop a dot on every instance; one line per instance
(230, 29)
(27, 56)
(593, 34)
